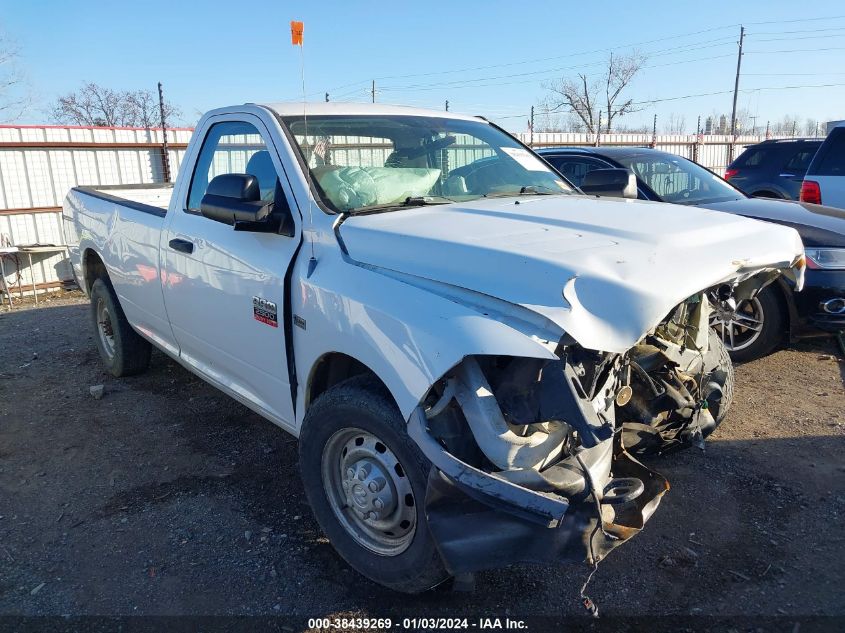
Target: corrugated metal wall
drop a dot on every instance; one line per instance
(711, 151)
(39, 164)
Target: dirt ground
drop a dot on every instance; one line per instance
(167, 497)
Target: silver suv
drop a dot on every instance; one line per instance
(825, 179)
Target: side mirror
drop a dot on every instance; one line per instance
(613, 183)
(235, 199)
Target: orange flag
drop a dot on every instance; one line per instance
(296, 29)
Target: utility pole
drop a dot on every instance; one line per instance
(654, 133)
(165, 156)
(447, 105)
(768, 134)
(736, 92)
(598, 131)
(531, 128)
(373, 91)
(327, 97)
(698, 140)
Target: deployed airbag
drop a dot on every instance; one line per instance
(352, 187)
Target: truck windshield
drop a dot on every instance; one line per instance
(361, 163)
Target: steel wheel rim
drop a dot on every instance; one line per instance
(738, 328)
(369, 491)
(105, 328)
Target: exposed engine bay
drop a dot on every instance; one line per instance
(552, 442)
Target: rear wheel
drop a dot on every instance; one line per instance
(753, 328)
(366, 482)
(122, 349)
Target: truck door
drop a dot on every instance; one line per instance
(224, 290)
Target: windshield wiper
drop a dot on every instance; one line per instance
(524, 191)
(410, 201)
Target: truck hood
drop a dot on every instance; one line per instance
(604, 271)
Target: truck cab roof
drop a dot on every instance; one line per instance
(320, 108)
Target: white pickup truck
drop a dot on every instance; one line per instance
(463, 342)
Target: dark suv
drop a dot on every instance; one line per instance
(773, 169)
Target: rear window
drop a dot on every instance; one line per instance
(831, 157)
(800, 161)
(752, 157)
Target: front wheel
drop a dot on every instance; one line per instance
(753, 329)
(365, 480)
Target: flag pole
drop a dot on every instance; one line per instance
(297, 31)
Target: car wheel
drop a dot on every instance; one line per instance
(752, 329)
(366, 480)
(122, 349)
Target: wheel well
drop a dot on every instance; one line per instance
(766, 193)
(782, 292)
(93, 268)
(332, 369)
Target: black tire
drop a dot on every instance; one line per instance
(772, 332)
(725, 376)
(129, 354)
(362, 403)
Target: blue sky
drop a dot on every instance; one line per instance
(217, 52)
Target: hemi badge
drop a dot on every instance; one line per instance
(298, 321)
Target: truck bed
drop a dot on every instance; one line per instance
(150, 198)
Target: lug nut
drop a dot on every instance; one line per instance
(363, 471)
(350, 473)
(378, 504)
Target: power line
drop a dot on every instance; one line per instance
(797, 50)
(599, 50)
(829, 17)
(722, 92)
(464, 85)
(806, 37)
(834, 28)
(659, 53)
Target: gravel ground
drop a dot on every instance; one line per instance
(167, 497)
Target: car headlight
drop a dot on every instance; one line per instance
(827, 258)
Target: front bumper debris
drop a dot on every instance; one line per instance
(480, 521)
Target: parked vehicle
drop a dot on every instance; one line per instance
(773, 168)
(755, 326)
(455, 334)
(825, 179)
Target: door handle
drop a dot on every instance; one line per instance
(183, 246)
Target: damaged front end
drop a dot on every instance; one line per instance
(533, 457)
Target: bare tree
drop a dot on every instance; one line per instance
(676, 124)
(14, 97)
(96, 105)
(586, 97)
